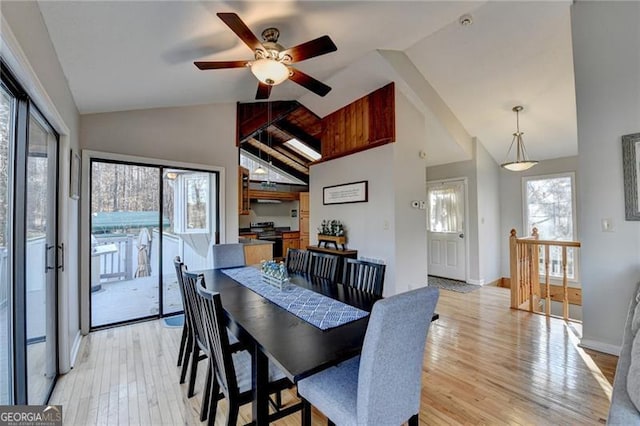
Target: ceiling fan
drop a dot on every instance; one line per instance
(272, 63)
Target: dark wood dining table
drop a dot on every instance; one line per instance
(270, 332)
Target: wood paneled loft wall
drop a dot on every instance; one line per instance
(365, 123)
(263, 128)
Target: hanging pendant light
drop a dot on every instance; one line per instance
(521, 162)
(259, 170)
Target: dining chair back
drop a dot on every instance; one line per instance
(227, 255)
(230, 368)
(190, 281)
(185, 339)
(365, 276)
(297, 260)
(392, 357)
(323, 265)
(218, 340)
(383, 385)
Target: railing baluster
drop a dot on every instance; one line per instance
(565, 290)
(546, 279)
(524, 257)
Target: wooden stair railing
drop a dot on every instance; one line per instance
(525, 273)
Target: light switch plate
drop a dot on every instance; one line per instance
(607, 225)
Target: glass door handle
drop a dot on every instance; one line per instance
(47, 268)
(61, 264)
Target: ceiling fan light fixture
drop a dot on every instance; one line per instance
(521, 162)
(269, 71)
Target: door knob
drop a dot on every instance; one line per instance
(461, 235)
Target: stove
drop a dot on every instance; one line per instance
(264, 229)
(267, 231)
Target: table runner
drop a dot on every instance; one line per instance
(314, 308)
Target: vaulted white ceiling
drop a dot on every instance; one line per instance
(121, 55)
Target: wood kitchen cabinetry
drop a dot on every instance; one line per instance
(259, 194)
(290, 239)
(365, 123)
(257, 252)
(304, 220)
(243, 191)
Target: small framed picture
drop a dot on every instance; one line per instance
(74, 182)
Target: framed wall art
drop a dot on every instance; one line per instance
(631, 171)
(355, 192)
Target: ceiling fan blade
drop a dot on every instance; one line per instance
(310, 49)
(234, 22)
(264, 90)
(216, 65)
(308, 82)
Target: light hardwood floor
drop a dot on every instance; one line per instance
(484, 364)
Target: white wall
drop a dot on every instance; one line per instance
(203, 134)
(409, 184)
(40, 72)
(511, 203)
(463, 169)
(483, 211)
(606, 49)
(279, 214)
(386, 227)
(370, 226)
(489, 238)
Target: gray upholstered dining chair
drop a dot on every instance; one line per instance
(227, 255)
(382, 386)
(365, 276)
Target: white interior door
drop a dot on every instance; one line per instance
(446, 229)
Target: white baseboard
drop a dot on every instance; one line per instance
(607, 348)
(475, 282)
(75, 348)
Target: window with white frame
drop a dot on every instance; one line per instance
(446, 213)
(549, 206)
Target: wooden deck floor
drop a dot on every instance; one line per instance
(484, 364)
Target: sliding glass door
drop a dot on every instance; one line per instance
(142, 217)
(29, 250)
(42, 255)
(6, 225)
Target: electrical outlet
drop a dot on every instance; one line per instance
(385, 225)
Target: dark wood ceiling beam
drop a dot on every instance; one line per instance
(253, 117)
(299, 134)
(263, 137)
(272, 153)
(277, 163)
(293, 155)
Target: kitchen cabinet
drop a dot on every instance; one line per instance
(304, 220)
(259, 194)
(243, 191)
(365, 123)
(257, 251)
(290, 239)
